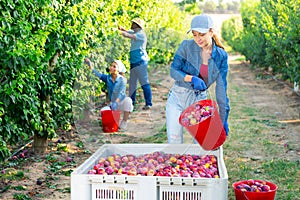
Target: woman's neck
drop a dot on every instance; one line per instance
(208, 47)
(114, 76)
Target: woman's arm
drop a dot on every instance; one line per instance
(178, 62)
(103, 77)
(221, 91)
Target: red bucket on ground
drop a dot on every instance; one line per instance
(247, 195)
(209, 133)
(110, 120)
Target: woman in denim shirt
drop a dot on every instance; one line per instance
(116, 87)
(198, 63)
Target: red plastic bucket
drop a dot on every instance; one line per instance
(210, 133)
(247, 195)
(110, 120)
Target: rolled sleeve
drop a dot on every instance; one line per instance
(175, 72)
(185, 63)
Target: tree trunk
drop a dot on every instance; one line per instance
(40, 144)
(87, 116)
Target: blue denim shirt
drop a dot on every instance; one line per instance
(138, 46)
(187, 60)
(116, 89)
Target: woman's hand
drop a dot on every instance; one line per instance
(198, 84)
(88, 63)
(114, 105)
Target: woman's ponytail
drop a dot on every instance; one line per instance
(217, 39)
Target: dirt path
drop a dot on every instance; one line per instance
(269, 96)
(274, 98)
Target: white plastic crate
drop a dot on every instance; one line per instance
(115, 187)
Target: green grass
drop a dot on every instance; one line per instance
(157, 138)
(252, 150)
(279, 171)
(18, 196)
(160, 137)
(241, 58)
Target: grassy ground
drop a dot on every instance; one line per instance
(253, 152)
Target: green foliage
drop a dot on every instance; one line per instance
(11, 174)
(188, 1)
(269, 37)
(4, 151)
(162, 44)
(252, 37)
(165, 28)
(209, 6)
(231, 32)
(192, 9)
(162, 24)
(43, 44)
(280, 25)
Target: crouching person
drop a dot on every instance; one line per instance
(116, 88)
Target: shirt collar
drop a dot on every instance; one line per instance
(118, 76)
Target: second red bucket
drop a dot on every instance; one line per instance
(247, 195)
(110, 120)
(208, 131)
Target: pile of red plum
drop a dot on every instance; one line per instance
(196, 114)
(253, 186)
(158, 164)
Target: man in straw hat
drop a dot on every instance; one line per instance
(138, 61)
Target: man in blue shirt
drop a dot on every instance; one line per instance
(138, 61)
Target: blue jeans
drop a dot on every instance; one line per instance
(140, 73)
(179, 99)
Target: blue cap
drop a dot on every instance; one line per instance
(201, 23)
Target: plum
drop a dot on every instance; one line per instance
(109, 170)
(39, 181)
(265, 188)
(247, 187)
(69, 159)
